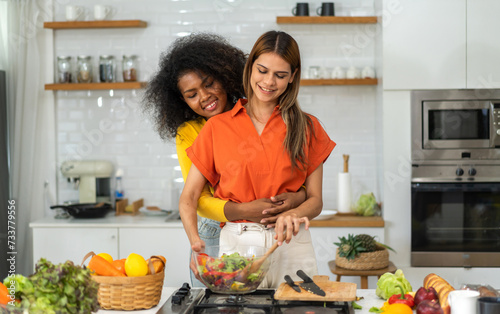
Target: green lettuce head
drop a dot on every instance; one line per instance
(388, 284)
(367, 205)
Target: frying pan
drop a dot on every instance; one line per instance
(86, 210)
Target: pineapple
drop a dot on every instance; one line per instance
(350, 247)
(356, 244)
(368, 242)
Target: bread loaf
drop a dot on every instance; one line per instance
(443, 288)
(485, 291)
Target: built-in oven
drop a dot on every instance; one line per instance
(455, 124)
(455, 224)
(455, 183)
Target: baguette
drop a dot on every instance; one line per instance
(443, 289)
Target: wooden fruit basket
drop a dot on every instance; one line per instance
(129, 293)
(365, 261)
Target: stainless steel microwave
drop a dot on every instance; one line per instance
(455, 124)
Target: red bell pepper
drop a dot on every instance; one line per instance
(402, 298)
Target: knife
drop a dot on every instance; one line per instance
(291, 283)
(309, 284)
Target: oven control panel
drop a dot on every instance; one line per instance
(458, 172)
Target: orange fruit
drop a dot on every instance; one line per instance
(135, 265)
(120, 265)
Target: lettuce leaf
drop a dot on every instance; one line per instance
(388, 284)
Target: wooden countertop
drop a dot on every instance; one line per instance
(348, 220)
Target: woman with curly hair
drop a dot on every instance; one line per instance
(200, 76)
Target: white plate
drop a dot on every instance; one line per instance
(148, 212)
(326, 214)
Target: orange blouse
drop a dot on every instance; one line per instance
(243, 166)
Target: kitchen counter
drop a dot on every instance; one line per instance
(59, 240)
(349, 220)
(111, 220)
(369, 300)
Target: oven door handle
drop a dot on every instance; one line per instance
(455, 187)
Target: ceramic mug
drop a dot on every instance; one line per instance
(488, 305)
(463, 301)
(326, 9)
(101, 12)
(73, 12)
(301, 9)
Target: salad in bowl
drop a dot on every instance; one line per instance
(230, 271)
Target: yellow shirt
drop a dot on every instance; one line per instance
(208, 206)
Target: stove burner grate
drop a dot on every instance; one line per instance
(262, 301)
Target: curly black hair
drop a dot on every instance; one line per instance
(205, 53)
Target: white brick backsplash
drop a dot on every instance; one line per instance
(97, 125)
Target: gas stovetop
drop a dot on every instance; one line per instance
(187, 300)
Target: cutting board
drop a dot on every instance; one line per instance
(335, 291)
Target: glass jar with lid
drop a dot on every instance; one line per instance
(84, 72)
(107, 68)
(64, 69)
(129, 67)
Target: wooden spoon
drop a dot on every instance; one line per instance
(256, 264)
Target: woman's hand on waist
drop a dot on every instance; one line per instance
(252, 211)
(264, 210)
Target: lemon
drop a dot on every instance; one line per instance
(135, 265)
(106, 256)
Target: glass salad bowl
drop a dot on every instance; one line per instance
(238, 270)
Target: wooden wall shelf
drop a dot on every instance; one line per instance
(96, 24)
(326, 19)
(325, 82)
(95, 86)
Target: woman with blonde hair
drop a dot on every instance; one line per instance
(271, 146)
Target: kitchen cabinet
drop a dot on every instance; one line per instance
(67, 243)
(424, 45)
(330, 20)
(441, 45)
(93, 25)
(483, 60)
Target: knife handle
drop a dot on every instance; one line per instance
(289, 280)
(303, 275)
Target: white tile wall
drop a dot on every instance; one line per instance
(100, 125)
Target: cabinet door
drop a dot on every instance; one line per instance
(170, 242)
(483, 49)
(424, 44)
(323, 239)
(61, 244)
